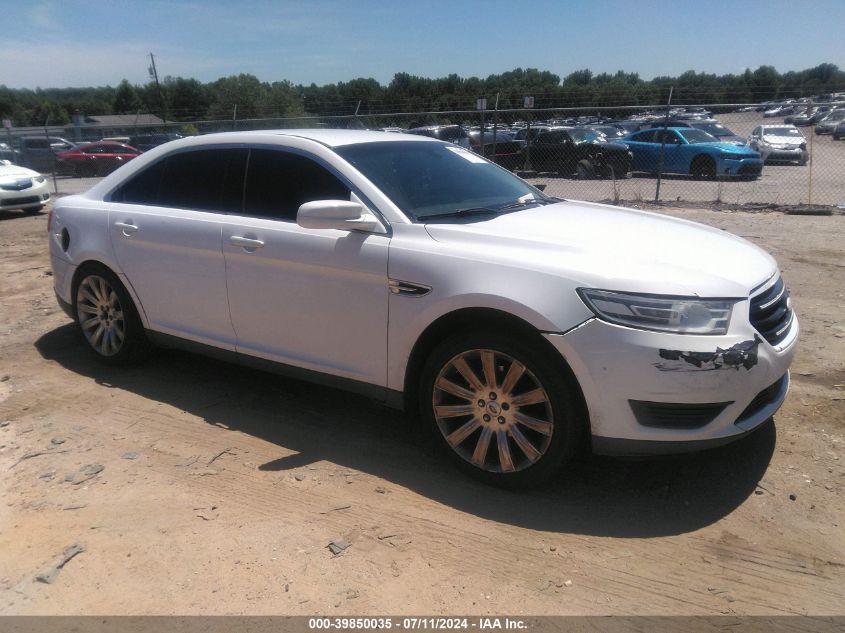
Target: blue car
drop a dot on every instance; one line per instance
(691, 151)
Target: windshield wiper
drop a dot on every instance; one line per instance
(462, 213)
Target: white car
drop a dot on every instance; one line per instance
(522, 328)
(22, 188)
(779, 143)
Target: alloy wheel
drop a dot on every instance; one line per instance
(100, 315)
(493, 411)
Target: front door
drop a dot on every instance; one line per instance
(312, 298)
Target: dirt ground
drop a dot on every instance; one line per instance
(196, 487)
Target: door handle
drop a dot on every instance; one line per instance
(128, 229)
(248, 243)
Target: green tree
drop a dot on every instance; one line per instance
(125, 99)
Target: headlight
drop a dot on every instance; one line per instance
(732, 156)
(39, 179)
(681, 315)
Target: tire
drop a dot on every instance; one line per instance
(584, 170)
(703, 167)
(491, 438)
(107, 318)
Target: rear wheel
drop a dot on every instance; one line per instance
(107, 317)
(584, 170)
(501, 407)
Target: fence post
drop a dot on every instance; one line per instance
(235, 118)
(495, 124)
(810, 161)
(662, 148)
(47, 136)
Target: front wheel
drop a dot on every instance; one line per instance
(107, 317)
(501, 407)
(703, 168)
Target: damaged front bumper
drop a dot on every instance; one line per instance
(653, 392)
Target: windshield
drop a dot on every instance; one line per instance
(782, 131)
(425, 179)
(585, 136)
(697, 136)
(716, 129)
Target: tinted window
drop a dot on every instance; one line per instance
(142, 188)
(278, 183)
(211, 180)
(645, 137)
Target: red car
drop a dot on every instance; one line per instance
(94, 159)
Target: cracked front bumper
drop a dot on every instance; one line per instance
(619, 367)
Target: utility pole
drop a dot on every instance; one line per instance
(154, 75)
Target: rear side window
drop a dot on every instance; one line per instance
(142, 188)
(207, 180)
(645, 137)
(278, 183)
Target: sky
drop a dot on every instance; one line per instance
(71, 43)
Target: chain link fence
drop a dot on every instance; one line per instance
(786, 157)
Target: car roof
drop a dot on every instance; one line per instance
(327, 137)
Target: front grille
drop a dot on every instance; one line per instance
(762, 399)
(5, 202)
(672, 415)
(745, 168)
(770, 313)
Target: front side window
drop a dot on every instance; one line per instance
(278, 183)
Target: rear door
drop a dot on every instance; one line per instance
(311, 298)
(165, 229)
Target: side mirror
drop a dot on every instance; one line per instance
(342, 215)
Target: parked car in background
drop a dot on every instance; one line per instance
(22, 188)
(449, 133)
(145, 142)
(505, 151)
(9, 154)
(39, 152)
(94, 159)
(721, 132)
(693, 152)
(610, 132)
(529, 134)
(830, 121)
(520, 329)
(839, 131)
(779, 143)
(580, 152)
(711, 126)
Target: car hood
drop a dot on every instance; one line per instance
(611, 146)
(732, 139)
(614, 248)
(729, 148)
(14, 171)
(783, 140)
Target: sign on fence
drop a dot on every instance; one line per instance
(481, 104)
(529, 102)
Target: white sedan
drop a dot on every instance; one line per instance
(520, 328)
(22, 188)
